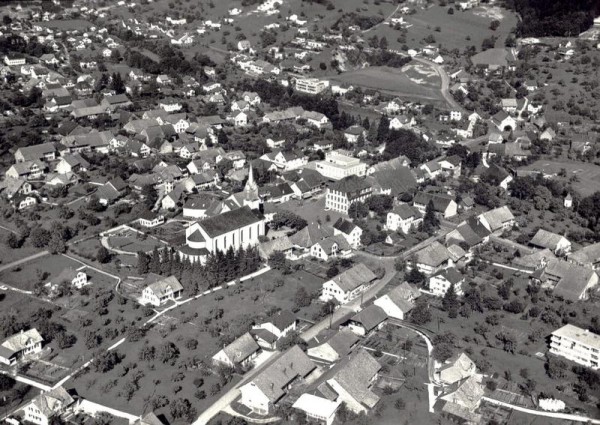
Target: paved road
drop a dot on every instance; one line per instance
(445, 89)
(384, 21)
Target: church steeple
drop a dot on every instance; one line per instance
(251, 189)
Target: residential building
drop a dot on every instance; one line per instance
(558, 244)
(497, 220)
(76, 278)
(263, 392)
(351, 232)
(311, 85)
(348, 285)
(317, 408)
(48, 405)
(403, 218)
(339, 346)
(331, 247)
(280, 324)
(443, 205)
(588, 256)
(466, 393)
(150, 219)
(20, 345)
(241, 352)
(337, 165)
(578, 345)
(432, 258)
(345, 192)
(399, 301)
(368, 320)
(158, 290)
(569, 281)
(456, 368)
(440, 282)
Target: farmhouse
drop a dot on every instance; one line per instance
(280, 324)
(43, 408)
(348, 285)
(350, 231)
(335, 348)
(497, 220)
(552, 241)
(160, 290)
(440, 282)
(20, 345)
(263, 392)
(456, 368)
(567, 280)
(432, 258)
(588, 256)
(443, 205)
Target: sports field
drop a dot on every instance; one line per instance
(588, 175)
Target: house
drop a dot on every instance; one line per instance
(240, 119)
(456, 368)
(43, 152)
(263, 392)
(403, 218)
(148, 218)
(241, 352)
(345, 192)
(352, 134)
(494, 60)
(310, 85)
(339, 346)
(569, 281)
(402, 121)
(432, 258)
(331, 247)
(353, 381)
(504, 122)
(317, 409)
(29, 170)
(588, 256)
(14, 187)
(466, 393)
(443, 205)
(280, 244)
(315, 119)
(470, 233)
(440, 282)
(497, 176)
(197, 206)
(170, 104)
(556, 243)
(497, 220)
(280, 324)
(285, 160)
(577, 345)
(71, 163)
(20, 345)
(14, 60)
(148, 419)
(111, 191)
(393, 177)
(399, 301)
(351, 232)
(239, 228)
(338, 165)
(348, 285)
(568, 201)
(159, 290)
(76, 278)
(48, 405)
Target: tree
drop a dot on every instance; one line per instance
(103, 256)
(494, 25)
(430, 221)
(450, 302)
(39, 237)
(508, 340)
(302, 298)
(415, 276)
(332, 271)
(443, 351)
(168, 352)
(143, 262)
(420, 314)
(6, 382)
(149, 195)
(181, 408)
(278, 261)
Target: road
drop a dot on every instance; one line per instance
(384, 21)
(445, 89)
(23, 260)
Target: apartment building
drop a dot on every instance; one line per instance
(311, 85)
(576, 344)
(336, 166)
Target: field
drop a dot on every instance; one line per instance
(454, 29)
(412, 81)
(588, 175)
(130, 241)
(25, 276)
(8, 255)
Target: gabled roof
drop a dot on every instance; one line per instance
(354, 277)
(370, 317)
(466, 393)
(19, 341)
(230, 220)
(344, 226)
(497, 217)
(587, 255)
(406, 211)
(283, 319)
(399, 179)
(275, 378)
(573, 278)
(546, 239)
(434, 254)
(451, 275)
(356, 375)
(53, 401)
(440, 202)
(310, 235)
(241, 348)
(160, 285)
(350, 185)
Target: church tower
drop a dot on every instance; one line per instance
(251, 197)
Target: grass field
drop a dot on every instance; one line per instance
(26, 275)
(588, 175)
(412, 81)
(8, 255)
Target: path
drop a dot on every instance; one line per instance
(9, 230)
(445, 89)
(556, 415)
(23, 260)
(384, 21)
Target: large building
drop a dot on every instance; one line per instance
(576, 344)
(240, 228)
(336, 166)
(343, 193)
(311, 85)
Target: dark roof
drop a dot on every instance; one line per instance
(283, 319)
(350, 185)
(344, 226)
(370, 317)
(440, 202)
(231, 220)
(399, 179)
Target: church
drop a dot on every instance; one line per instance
(240, 226)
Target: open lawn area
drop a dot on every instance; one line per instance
(25, 276)
(412, 81)
(587, 174)
(8, 255)
(460, 29)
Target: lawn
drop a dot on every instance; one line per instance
(8, 255)
(459, 29)
(588, 175)
(412, 81)
(25, 276)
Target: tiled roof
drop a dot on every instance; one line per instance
(356, 375)
(433, 254)
(354, 277)
(370, 317)
(231, 220)
(546, 239)
(241, 348)
(19, 341)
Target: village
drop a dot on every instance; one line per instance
(291, 211)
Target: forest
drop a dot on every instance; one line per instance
(554, 18)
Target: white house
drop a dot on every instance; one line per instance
(43, 408)
(317, 408)
(242, 351)
(399, 301)
(20, 345)
(280, 324)
(403, 217)
(161, 290)
(348, 285)
(351, 232)
(77, 278)
(578, 345)
(440, 282)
